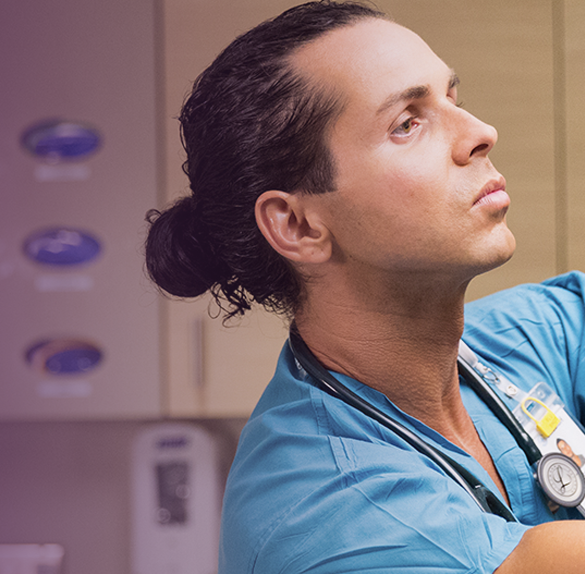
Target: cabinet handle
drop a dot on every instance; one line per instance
(198, 355)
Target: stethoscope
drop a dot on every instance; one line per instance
(484, 497)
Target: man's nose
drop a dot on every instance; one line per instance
(473, 138)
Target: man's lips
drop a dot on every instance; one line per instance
(494, 194)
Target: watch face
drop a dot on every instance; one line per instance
(561, 479)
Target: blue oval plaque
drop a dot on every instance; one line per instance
(61, 246)
(58, 140)
(63, 356)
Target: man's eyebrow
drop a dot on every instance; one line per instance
(414, 93)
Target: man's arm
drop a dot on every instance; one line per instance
(550, 548)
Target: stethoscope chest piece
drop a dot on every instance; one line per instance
(561, 479)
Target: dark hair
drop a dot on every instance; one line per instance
(251, 124)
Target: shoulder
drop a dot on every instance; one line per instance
(289, 454)
(555, 300)
(316, 486)
(533, 333)
(545, 313)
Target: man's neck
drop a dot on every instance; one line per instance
(402, 342)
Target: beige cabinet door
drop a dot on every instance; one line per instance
(574, 125)
(211, 370)
(217, 371)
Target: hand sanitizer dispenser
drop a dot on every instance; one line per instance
(176, 503)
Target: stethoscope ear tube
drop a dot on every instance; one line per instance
(485, 499)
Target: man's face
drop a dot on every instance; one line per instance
(415, 190)
(565, 448)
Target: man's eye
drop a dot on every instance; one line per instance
(405, 127)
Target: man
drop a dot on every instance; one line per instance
(377, 240)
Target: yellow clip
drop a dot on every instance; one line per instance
(548, 423)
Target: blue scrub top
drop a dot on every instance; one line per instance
(317, 486)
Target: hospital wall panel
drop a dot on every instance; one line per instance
(78, 333)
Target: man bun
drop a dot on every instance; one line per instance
(179, 257)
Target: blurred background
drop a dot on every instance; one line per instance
(120, 409)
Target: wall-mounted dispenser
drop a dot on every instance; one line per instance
(176, 505)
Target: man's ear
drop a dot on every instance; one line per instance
(292, 227)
